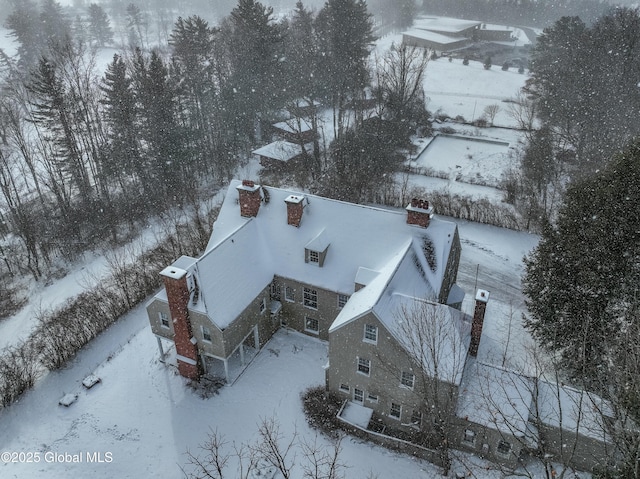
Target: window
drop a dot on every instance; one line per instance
(314, 257)
(372, 397)
(358, 395)
(311, 324)
(263, 305)
(164, 319)
(407, 379)
(310, 298)
(289, 293)
(469, 437)
(344, 388)
(370, 333)
(416, 418)
(364, 366)
(206, 334)
(275, 290)
(503, 448)
(342, 300)
(396, 410)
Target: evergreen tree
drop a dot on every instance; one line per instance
(301, 55)
(23, 26)
(123, 159)
(193, 55)
(582, 279)
(345, 33)
(256, 51)
(99, 25)
(55, 27)
(53, 110)
(165, 149)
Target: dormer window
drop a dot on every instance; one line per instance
(315, 251)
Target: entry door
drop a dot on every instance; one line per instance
(358, 396)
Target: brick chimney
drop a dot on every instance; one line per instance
(419, 212)
(482, 297)
(295, 205)
(175, 284)
(249, 198)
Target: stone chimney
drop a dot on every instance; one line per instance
(249, 198)
(175, 284)
(482, 297)
(295, 205)
(419, 212)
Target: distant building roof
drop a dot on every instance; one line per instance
(282, 150)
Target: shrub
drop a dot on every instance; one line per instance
(465, 60)
(487, 63)
(321, 409)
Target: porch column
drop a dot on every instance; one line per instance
(161, 349)
(242, 354)
(226, 369)
(256, 338)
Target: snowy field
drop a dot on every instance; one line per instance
(470, 160)
(144, 416)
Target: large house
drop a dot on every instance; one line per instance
(380, 286)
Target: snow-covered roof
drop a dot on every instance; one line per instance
(244, 254)
(282, 150)
(496, 398)
(445, 24)
(294, 125)
(431, 36)
(571, 409)
(511, 402)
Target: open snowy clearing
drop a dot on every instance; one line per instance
(471, 160)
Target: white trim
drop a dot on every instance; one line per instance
(185, 359)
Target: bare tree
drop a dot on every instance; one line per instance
(490, 111)
(523, 109)
(213, 461)
(431, 334)
(274, 447)
(322, 462)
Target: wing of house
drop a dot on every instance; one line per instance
(283, 258)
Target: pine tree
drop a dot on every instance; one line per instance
(53, 110)
(25, 30)
(166, 152)
(256, 50)
(582, 278)
(124, 159)
(345, 33)
(99, 25)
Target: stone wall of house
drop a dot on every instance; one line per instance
(154, 308)
(295, 313)
(383, 386)
(486, 442)
(582, 452)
